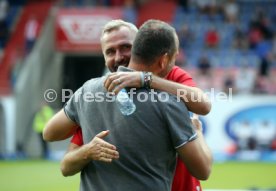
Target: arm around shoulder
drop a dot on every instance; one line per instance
(194, 98)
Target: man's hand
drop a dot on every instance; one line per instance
(119, 80)
(100, 150)
(196, 122)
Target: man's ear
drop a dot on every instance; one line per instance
(164, 60)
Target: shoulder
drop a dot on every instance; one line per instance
(176, 71)
(94, 84)
(91, 86)
(179, 75)
(169, 101)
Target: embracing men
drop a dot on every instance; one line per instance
(144, 145)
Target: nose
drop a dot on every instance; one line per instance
(118, 56)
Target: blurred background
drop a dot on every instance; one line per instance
(228, 46)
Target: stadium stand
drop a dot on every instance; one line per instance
(15, 46)
(233, 46)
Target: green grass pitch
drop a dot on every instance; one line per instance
(242, 175)
(33, 175)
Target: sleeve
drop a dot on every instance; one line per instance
(77, 137)
(178, 122)
(71, 107)
(179, 75)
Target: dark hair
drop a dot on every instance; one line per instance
(154, 39)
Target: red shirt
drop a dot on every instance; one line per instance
(183, 180)
(77, 138)
(180, 76)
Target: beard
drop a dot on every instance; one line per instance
(121, 63)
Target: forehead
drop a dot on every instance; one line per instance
(118, 36)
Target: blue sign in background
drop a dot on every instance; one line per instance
(259, 113)
(253, 115)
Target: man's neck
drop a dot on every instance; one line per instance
(139, 67)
